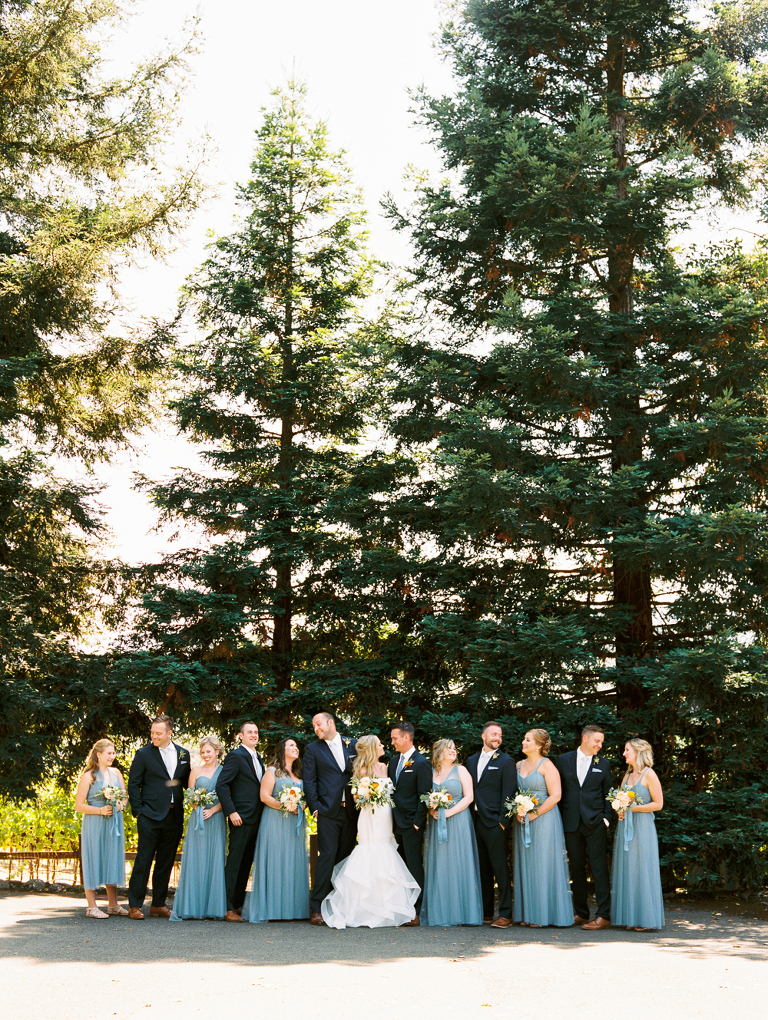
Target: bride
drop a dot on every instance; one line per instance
(372, 887)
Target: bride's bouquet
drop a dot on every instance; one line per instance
(291, 799)
(621, 799)
(200, 798)
(437, 799)
(371, 791)
(522, 805)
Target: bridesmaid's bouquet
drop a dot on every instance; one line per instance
(436, 799)
(115, 796)
(523, 804)
(291, 799)
(200, 797)
(621, 799)
(371, 791)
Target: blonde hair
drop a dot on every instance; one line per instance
(215, 744)
(367, 752)
(438, 751)
(543, 741)
(644, 753)
(92, 761)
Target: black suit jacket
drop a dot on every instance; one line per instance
(151, 790)
(325, 782)
(496, 785)
(237, 786)
(415, 779)
(587, 803)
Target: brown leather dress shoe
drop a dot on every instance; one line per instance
(597, 925)
(580, 920)
(136, 913)
(415, 923)
(487, 920)
(317, 920)
(232, 915)
(501, 922)
(159, 912)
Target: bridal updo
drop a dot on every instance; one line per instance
(367, 752)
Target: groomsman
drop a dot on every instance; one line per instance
(238, 789)
(411, 775)
(494, 780)
(584, 807)
(156, 783)
(327, 769)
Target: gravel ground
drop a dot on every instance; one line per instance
(56, 964)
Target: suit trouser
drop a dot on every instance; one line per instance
(589, 843)
(335, 841)
(492, 852)
(242, 844)
(410, 846)
(158, 841)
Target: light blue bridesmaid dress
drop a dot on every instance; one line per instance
(102, 839)
(451, 867)
(201, 891)
(280, 887)
(542, 884)
(636, 899)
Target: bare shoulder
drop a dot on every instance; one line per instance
(464, 772)
(548, 767)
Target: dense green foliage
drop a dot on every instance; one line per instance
(82, 188)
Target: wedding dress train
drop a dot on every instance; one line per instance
(372, 888)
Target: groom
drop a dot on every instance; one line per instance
(585, 776)
(411, 775)
(327, 769)
(156, 783)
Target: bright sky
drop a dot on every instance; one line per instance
(358, 59)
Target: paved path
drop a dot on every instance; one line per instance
(56, 964)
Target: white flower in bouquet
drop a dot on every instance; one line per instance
(200, 797)
(115, 796)
(436, 799)
(621, 799)
(523, 804)
(291, 799)
(372, 791)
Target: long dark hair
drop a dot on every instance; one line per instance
(278, 760)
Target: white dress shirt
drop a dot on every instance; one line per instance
(485, 757)
(405, 758)
(170, 758)
(583, 762)
(337, 750)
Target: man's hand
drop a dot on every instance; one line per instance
(235, 818)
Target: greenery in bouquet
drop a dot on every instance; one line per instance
(371, 791)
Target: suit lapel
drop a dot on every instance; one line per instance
(249, 758)
(324, 744)
(155, 752)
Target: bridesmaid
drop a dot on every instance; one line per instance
(451, 866)
(281, 860)
(102, 840)
(201, 891)
(636, 901)
(542, 885)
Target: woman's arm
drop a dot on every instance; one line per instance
(266, 788)
(193, 778)
(656, 802)
(81, 802)
(467, 790)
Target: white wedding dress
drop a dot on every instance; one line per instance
(372, 888)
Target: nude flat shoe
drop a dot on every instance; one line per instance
(95, 912)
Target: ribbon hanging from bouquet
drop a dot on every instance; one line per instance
(199, 818)
(527, 830)
(629, 827)
(442, 826)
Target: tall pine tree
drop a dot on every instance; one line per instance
(597, 405)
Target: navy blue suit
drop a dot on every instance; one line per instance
(496, 785)
(326, 789)
(238, 789)
(583, 810)
(157, 801)
(414, 780)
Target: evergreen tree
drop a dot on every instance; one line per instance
(82, 188)
(597, 403)
(266, 616)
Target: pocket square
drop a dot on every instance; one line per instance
(493, 768)
(406, 770)
(598, 770)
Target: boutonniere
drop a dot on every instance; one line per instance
(494, 756)
(345, 741)
(596, 759)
